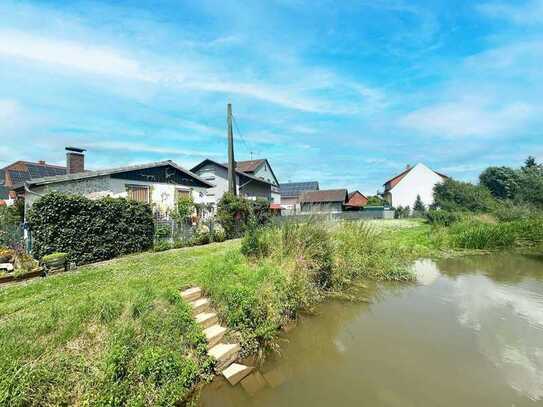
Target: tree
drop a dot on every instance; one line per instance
(530, 162)
(375, 200)
(502, 182)
(419, 206)
(462, 196)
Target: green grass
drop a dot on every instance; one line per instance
(113, 333)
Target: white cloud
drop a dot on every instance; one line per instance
(530, 12)
(194, 74)
(9, 110)
(467, 118)
(83, 57)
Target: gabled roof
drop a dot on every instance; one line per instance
(239, 172)
(251, 166)
(351, 194)
(111, 171)
(325, 195)
(391, 183)
(295, 189)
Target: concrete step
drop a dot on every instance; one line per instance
(214, 334)
(191, 294)
(236, 372)
(206, 319)
(200, 305)
(224, 354)
(254, 383)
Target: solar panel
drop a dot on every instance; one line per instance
(18, 177)
(297, 188)
(40, 171)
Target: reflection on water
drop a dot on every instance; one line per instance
(470, 332)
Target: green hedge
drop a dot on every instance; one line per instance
(90, 230)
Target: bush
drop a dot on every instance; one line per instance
(454, 196)
(234, 213)
(90, 230)
(442, 217)
(508, 211)
(401, 212)
(10, 227)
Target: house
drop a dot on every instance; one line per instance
(402, 190)
(159, 183)
(254, 179)
(291, 192)
(21, 171)
(323, 201)
(356, 200)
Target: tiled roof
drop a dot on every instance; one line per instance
(249, 165)
(110, 171)
(327, 195)
(295, 189)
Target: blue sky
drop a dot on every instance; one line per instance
(346, 93)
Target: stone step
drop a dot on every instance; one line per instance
(206, 319)
(200, 305)
(214, 334)
(191, 294)
(236, 372)
(224, 354)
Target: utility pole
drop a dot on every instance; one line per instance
(231, 162)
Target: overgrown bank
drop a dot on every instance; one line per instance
(117, 333)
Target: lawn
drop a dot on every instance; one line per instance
(110, 333)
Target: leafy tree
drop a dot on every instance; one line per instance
(375, 200)
(530, 162)
(454, 195)
(419, 206)
(502, 182)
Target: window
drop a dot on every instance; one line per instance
(181, 193)
(139, 193)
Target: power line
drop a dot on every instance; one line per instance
(241, 137)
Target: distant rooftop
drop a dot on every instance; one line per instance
(295, 189)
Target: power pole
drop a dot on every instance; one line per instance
(231, 162)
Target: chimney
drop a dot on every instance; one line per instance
(41, 162)
(75, 160)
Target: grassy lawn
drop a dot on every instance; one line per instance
(110, 333)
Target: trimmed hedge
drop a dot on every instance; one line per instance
(90, 230)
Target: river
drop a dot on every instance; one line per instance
(468, 333)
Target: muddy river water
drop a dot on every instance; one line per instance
(468, 333)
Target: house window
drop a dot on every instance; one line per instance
(181, 193)
(140, 193)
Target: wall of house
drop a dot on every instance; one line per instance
(219, 177)
(321, 207)
(265, 173)
(162, 195)
(419, 181)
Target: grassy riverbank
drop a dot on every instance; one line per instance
(117, 333)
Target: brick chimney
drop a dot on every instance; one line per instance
(75, 160)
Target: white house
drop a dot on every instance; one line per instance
(402, 190)
(159, 184)
(254, 179)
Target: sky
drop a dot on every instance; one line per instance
(346, 93)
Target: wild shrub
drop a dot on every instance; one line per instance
(90, 230)
(454, 196)
(441, 217)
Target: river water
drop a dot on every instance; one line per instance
(468, 333)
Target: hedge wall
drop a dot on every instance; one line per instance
(90, 230)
